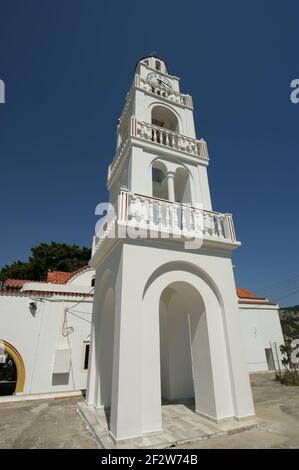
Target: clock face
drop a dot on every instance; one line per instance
(159, 79)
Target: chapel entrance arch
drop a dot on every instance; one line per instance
(12, 370)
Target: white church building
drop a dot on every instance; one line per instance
(45, 329)
(157, 314)
(45, 333)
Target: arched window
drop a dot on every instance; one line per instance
(159, 180)
(164, 117)
(182, 189)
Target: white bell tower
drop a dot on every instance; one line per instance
(165, 317)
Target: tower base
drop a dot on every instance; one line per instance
(180, 425)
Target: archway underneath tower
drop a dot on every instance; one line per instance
(184, 350)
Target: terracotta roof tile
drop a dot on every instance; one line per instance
(14, 283)
(58, 277)
(246, 294)
(62, 277)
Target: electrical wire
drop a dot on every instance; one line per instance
(67, 330)
(288, 295)
(278, 283)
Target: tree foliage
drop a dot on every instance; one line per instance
(47, 257)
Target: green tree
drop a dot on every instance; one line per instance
(47, 257)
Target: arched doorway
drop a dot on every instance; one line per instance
(185, 355)
(192, 340)
(12, 370)
(175, 340)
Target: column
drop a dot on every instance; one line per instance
(170, 186)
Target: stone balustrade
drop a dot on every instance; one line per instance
(167, 93)
(161, 136)
(168, 138)
(140, 214)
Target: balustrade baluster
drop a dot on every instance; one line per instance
(168, 216)
(182, 143)
(159, 215)
(142, 131)
(166, 138)
(175, 220)
(151, 213)
(212, 226)
(220, 226)
(205, 223)
(191, 225)
(183, 218)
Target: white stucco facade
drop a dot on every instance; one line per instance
(51, 337)
(262, 336)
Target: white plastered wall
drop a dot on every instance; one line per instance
(38, 334)
(260, 326)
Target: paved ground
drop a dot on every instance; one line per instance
(55, 423)
(43, 424)
(277, 410)
(180, 424)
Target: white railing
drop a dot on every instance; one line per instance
(161, 136)
(169, 94)
(168, 138)
(142, 213)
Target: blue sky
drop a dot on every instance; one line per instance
(67, 65)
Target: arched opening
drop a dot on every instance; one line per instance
(164, 117)
(159, 180)
(12, 370)
(182, 330)
(179, 297)
(182, 188)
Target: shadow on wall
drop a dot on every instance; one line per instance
(60, 379)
